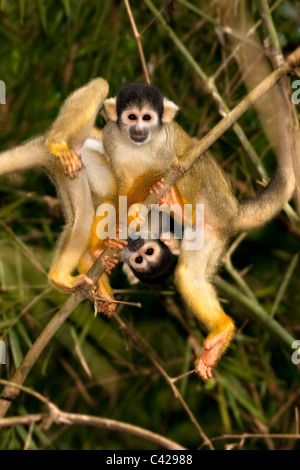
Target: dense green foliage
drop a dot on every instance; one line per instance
(47, 50)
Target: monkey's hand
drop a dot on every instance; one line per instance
(69, 159)
(157, 186)
(71, 163)
(170, 198)
(109, 263)
(115, 244)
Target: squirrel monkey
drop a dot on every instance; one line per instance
(206, 184)
(71, 143)
(142, 141)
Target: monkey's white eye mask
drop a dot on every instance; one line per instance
(139, 123)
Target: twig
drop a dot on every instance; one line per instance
(244, 436)
(138, 40)
(289, 272)
(29, 255)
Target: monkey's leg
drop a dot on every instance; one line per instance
(74, 124)
(79, 211)
(192, 277)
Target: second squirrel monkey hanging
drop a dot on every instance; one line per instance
(139, 152)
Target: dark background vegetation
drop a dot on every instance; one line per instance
(48, 49)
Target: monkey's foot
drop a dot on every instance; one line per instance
(157, 186)
(71, 283)
(103, 301)
(212, 350)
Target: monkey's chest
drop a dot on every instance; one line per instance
(137, 175)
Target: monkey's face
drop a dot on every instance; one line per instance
(151, 261)
(145, 257)
(139, 123)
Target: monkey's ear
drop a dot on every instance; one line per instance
(111, 108)
(170, 110)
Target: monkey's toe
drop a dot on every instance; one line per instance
(203, 370)
(157, 186)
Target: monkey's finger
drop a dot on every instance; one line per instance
(113, 245)
(73, 165)
(68, 167)
(161, 201)
(121, 241)
(77, 164)
(110, 262)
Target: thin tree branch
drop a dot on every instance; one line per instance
(60, 417)
(138, 40)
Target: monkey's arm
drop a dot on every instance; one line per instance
(74, 124)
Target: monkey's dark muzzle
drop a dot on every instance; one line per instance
(139, 136)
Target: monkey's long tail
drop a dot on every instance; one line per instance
(261, 209)
(30, 154)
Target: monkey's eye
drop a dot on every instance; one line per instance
(132, 117)
(150, 251)
(146, 117)
(139, 260)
